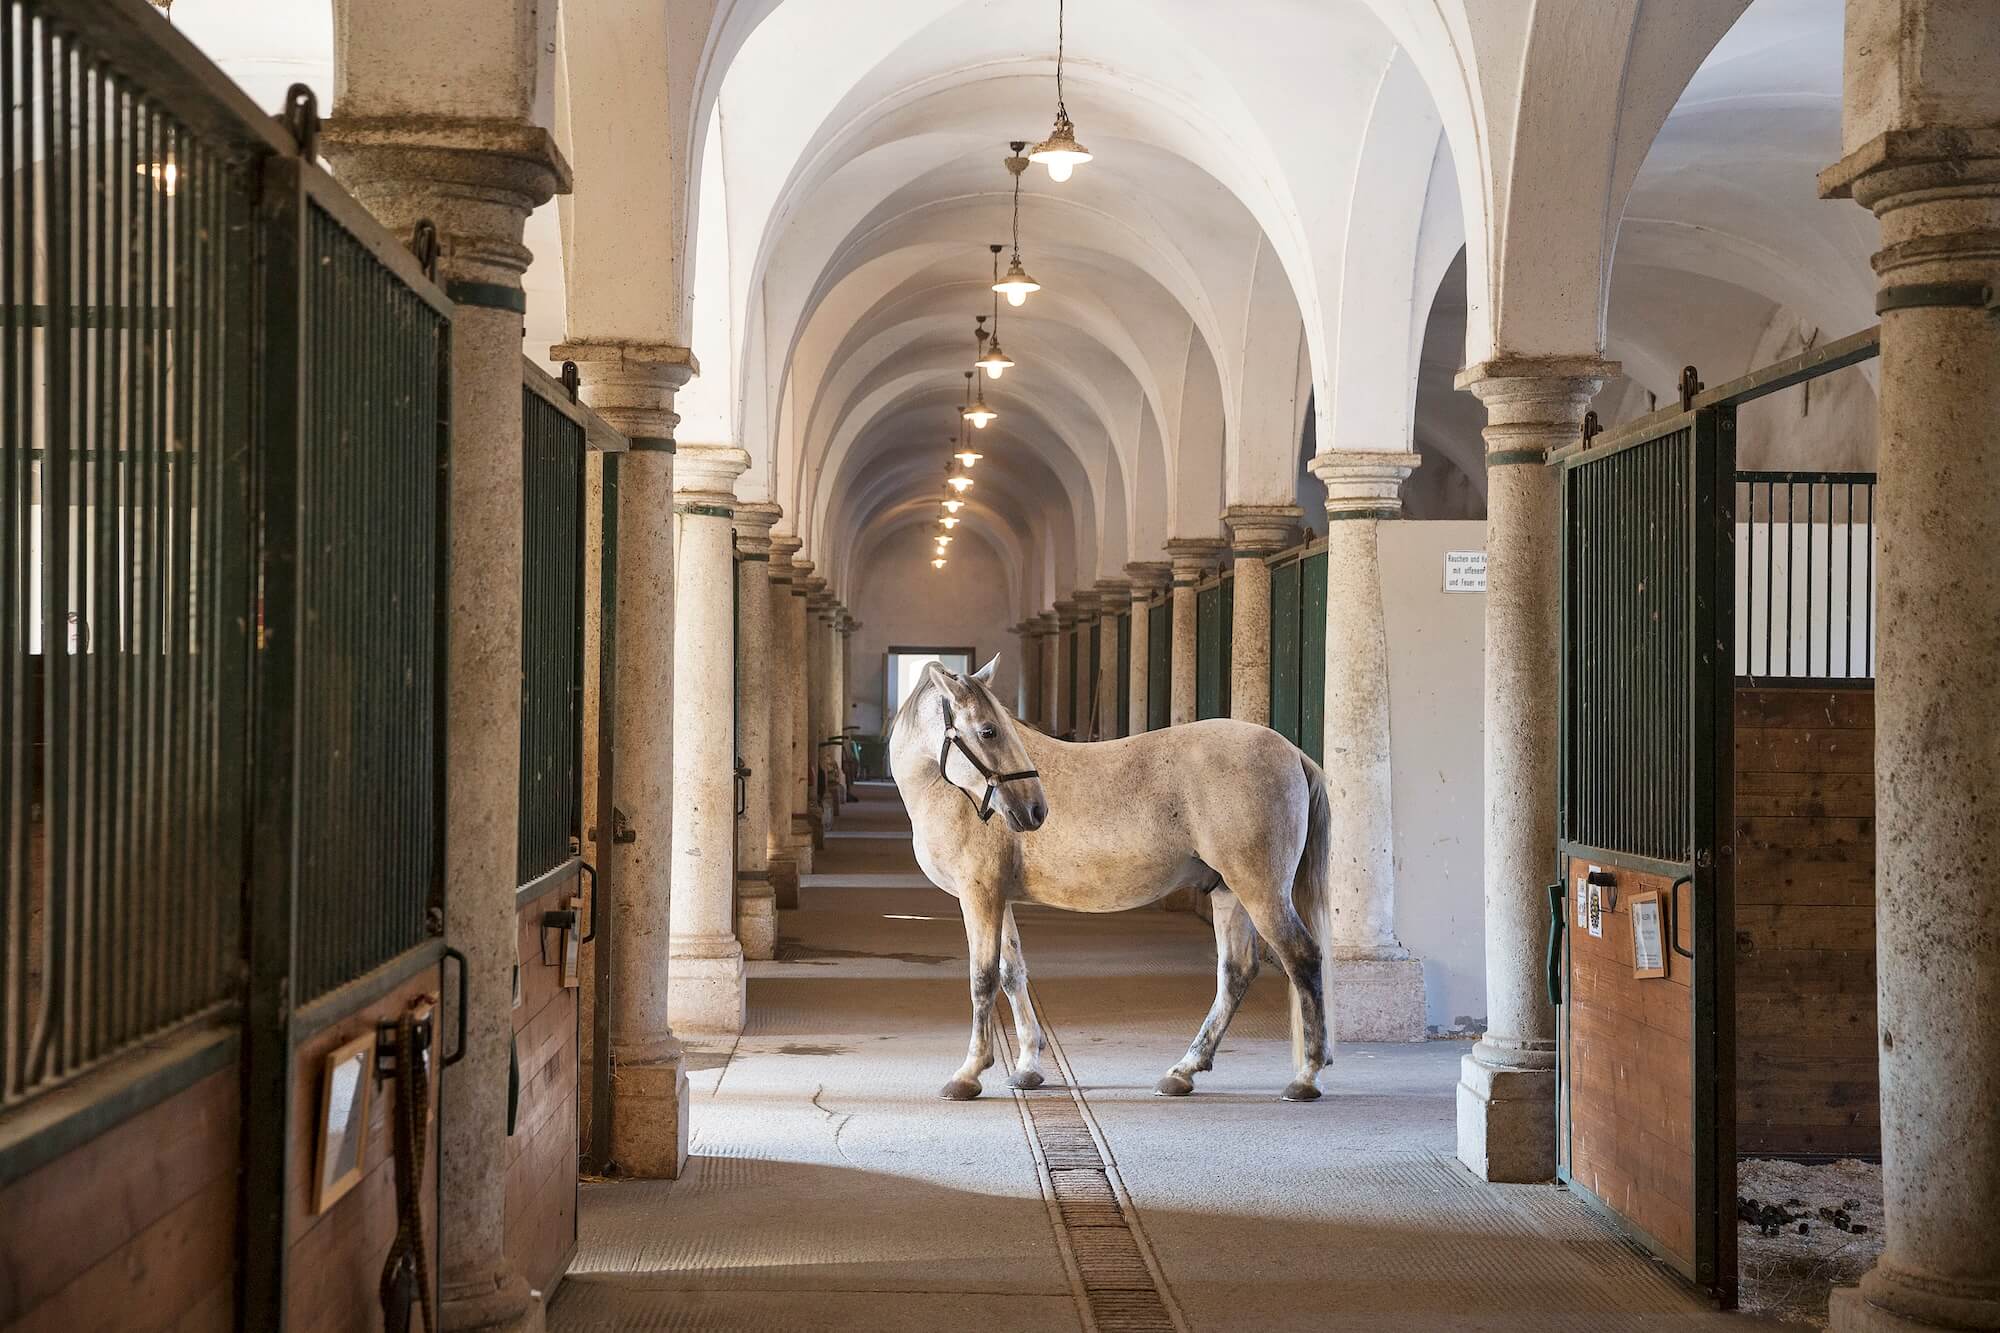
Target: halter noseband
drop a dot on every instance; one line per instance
(984, 806)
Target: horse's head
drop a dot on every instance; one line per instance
(981, 752)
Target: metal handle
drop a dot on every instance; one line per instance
(459, 1054)
(590, 933)
(1558, 922)
(742, 787)
(1674, 915)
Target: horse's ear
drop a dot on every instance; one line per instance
(985, 674)
(945, 680)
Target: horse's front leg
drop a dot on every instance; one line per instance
(1235, 968)
(1027, 1024)
(983, 917)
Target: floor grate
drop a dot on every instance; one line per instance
(1118, 1289)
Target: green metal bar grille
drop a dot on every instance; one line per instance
(1122, 724)
(1312, 655)
(552, 454)
(125, 602)
(1159, 665)
(1285, 650)
(370, 606)
(1628, 682)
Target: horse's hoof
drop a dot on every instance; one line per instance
(1301, 1091)
(959, 1090)
(1026, 1078)
(1173, 1085)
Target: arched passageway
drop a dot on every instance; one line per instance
(466, 538)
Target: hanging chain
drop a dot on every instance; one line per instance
(1017, 218)
(1061, 111)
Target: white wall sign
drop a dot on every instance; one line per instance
(1465, 571)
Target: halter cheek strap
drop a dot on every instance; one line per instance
(984, 806)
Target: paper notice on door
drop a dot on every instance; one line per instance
(1648, 946)
(1583, 897)
(1596, 913)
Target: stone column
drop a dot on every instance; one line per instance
(422, 132)
(1114, 598)
(815, 704)
(1507, 1083)
(1255, 531)
(1921, 134)
(705, 988)
(1380, 995)
(1148, 577)
(1193, 557)
(1029, 658)
(756, 908)
(1069, 713)
(632, 386)
(798, 637)
(782, 788)
(1050, 638)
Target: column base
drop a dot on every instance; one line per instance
(803, 843)
(705, 990)
(756, 916)
(649, 1129)
(1506, 1122)
(816, 824)
(500, 1301)
(1851, 1309)
(1378, 999)
(784, 872)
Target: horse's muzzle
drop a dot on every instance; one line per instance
(1027, 812)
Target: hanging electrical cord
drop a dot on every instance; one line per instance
(1060, 152)
(1017, 284)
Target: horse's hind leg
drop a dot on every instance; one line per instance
(982, 936)
(1299, 955)
(1027, 1024)
(1235, 966)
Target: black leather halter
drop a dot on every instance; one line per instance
(984, 806)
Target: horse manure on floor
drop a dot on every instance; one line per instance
(1804, 1229)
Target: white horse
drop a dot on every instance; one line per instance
(1228, 808)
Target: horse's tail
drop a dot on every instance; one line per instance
(1311, 898)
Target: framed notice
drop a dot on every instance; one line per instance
(343, 1120)
(1649, 937)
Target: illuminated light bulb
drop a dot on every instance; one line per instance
(166, 175)
(1017, 284)
(968, 456)
(959, 484)
(949, 522)
(995, 362)
(953, 505)
(938, 563)
(1060, 152)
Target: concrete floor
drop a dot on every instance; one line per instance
(831, 1189)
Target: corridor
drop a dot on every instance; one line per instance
(829, 1188)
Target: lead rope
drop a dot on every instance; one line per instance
(413, 1096)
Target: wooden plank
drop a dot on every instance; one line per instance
(83, 1209)
(1806, 709)
(1816, 927)
(164, 1272)
(1767, 749)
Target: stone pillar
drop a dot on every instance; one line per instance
(798, 638)
(423, 131)
(1059, 699)
(705, 989)
(1050, 639)
(1193, 557)
(1148, 577)
(632, 386)
(816, 669)
(756, 907)
(782, 855)
(1507, 1084)
(1255, 531)
(1921, 134)
(1114, 598)
(1380, 993)
(1084, 600)
(1028, 693)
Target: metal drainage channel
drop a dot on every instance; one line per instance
(1112, 1271)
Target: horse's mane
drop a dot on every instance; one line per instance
(925, 687)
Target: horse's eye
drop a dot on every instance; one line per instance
(987, 733)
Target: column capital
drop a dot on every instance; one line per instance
(1194, 557)
(1085, 601)
(1533, 400)
(705, 479)
(475, 179)
(1149, 576)
(1048, 624)
(632, 386)
(1364, 484)
(1114, 595)
(1261, 529)
(753, 526)
(1065, 613)
(1900, 161)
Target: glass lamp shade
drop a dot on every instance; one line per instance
(1016, 285)
(1060, 152)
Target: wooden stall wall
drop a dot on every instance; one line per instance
(1628, 1131)
(1805, 922)
(542, 1163)
(333, 1260)
(141, 1218)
